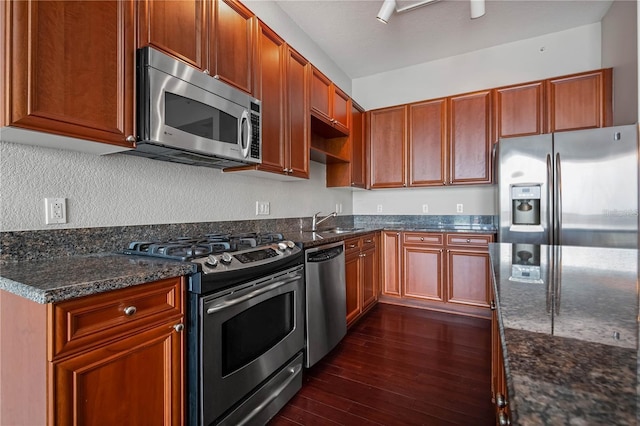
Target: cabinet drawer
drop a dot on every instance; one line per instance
(368, 241)
(94, 320)
(471, 240)
(352, 245)
(423, 238)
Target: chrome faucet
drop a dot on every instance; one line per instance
(315, 222)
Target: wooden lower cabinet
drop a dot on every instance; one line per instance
(442, 271)
(111, 358)
(498, 375)
(361, 270)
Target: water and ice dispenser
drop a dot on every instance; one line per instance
(525, 204)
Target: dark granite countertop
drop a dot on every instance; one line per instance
(568, 320)
(54, 279)
(62, 278)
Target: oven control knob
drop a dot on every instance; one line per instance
(211, 261)
(290, 244)
(282, 246)
(226, 258)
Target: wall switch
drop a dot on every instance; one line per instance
(379, 208)
(55, 210)
(262, 208)
(425, 208)
(459, 208)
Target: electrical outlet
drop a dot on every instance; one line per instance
(262, 208)
(379, 208)
(55, 210)
(338, 208)
(459, 208)
(425, 208)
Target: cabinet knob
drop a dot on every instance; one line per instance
(285, 170)
(130, 310)
(179, 327)
(503, 419)
(207, 72)
(368, 241)
(501, 401)
(493, 305)
(468, 240)
(217, 77)
(421, 238)
(130, 139)
(290, 170)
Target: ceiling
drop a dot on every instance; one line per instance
(350, 34)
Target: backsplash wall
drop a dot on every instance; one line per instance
(122, 190)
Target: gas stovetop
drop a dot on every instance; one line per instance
(228, 257)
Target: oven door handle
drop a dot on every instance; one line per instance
(231, 302)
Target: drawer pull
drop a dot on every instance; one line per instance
(353, 245)
(501, 401)
(468, 240)
(130, 310)
(368, 241)
(421, 238)
(179, 327)
(493, 305)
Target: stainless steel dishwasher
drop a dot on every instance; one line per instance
(326, 300)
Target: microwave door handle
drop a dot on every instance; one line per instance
(245, 137)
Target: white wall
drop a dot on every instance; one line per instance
(119, 189)
(563, 53)
(620, 51)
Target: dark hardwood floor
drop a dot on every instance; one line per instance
(400, 366)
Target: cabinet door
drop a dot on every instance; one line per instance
(297, 119)
(320, 95)
(580, 101)
(422, 268)
(358, 153)
(468, 277)
(71, 66)
(427, 143)
(369, 261)
(341, 110)
(138, 380)
(270, 89)
(391, 263)
(388, 147)
(470, 138)
(232, 32)
(519, 110)
(176, 27)
(353, 277)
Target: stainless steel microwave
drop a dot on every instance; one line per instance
(187, 116)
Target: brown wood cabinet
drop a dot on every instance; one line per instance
(351, 173)
(499, 393)
(387, 136)
(70, 69)
(427, 155)
(115, 357)
(580, 101)
(216, 36)
(391, 246)
(297, 122)
(447, 272)
(470, 139)
(361, 269)
(330, 105)
(177, 28)
(519, 110)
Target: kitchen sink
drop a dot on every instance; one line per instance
(339, 230)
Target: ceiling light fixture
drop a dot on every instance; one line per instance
(389, 6)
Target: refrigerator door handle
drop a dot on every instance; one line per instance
(550, 222)
(558, 201)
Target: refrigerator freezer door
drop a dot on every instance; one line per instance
(525, 165)
(597, 187)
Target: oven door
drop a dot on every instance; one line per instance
(247, 336)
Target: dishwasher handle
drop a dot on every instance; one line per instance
(325, 254)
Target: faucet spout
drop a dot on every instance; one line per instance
(315, 221)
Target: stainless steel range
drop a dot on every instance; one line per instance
(245, 324)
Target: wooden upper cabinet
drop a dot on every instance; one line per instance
(270, 89)
(358, 151)
(297, 121)
(580, 101)
(388, 147)
(519, 110)
(330, 105)
(176, 27)
(427, 143)
(232, 34)
(71, 69)
(470, 138)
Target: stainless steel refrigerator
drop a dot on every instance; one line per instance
(570, 188)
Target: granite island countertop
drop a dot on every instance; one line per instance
(568, 321)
